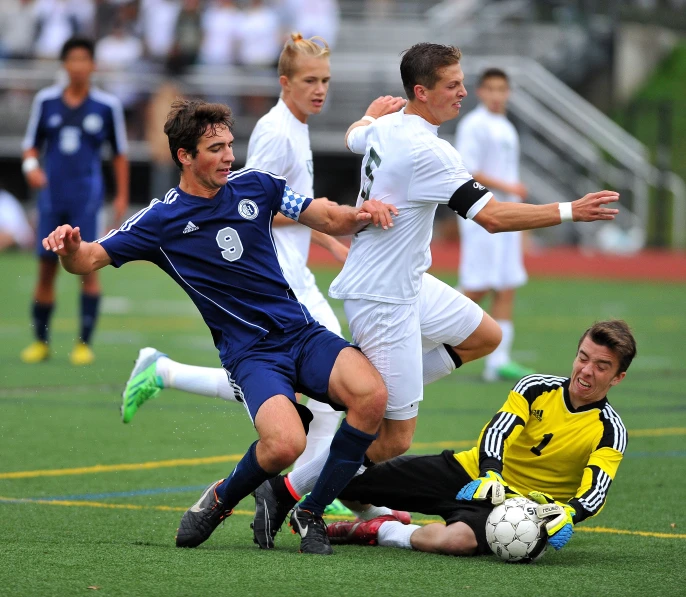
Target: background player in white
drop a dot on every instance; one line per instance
(414, 328)
(493, 263)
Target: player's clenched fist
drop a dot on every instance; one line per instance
(380, 214)
(64, 240)
(591, 207)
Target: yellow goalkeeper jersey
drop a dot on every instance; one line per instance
(539, 442)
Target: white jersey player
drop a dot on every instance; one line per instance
(493, 263)
(280, 144)
(414, 328)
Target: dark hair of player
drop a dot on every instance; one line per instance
(77, 42)
(421, 63)
(188, 121)
(616, 335)
(493, 73)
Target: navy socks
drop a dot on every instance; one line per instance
(346, 455)
(89, 315)
(40, 314)
(246, 477)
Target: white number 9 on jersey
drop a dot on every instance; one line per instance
(228, 239)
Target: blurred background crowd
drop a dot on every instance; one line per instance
(583, 101)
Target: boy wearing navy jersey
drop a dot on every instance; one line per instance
(212, 234)
(72, 122)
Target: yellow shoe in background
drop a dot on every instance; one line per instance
(35, 352)
(82, 354)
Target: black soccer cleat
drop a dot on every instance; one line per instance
(200, 520)
(270, 514)
(312, 531)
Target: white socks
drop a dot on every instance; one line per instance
(396, 534)
(437, 363)
(302, 479)
(501, 355)
(206, 381)
(322, 428)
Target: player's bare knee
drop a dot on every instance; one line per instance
(387, 447)
(279, 450)
(376, 403)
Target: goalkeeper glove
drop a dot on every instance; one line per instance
(560, 524)
(478, 489)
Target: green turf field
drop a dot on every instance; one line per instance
(89, 502)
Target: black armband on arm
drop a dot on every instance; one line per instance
(466, 196)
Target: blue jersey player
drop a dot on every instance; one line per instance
(213, 235)
(71, 123)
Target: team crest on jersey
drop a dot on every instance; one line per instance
(478, 186)
(92, 123)
(538, 414)
(248, 209)
(55, 120)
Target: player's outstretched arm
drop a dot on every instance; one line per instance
(386, 104)
(341, 220)
(77, 256)
(498, 216)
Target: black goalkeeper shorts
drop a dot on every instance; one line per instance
(425, 484)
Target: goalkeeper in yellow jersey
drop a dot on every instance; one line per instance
(556, 440)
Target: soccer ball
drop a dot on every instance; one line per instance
(515, 533)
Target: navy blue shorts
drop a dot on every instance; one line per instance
(280, 363)
(88, 220)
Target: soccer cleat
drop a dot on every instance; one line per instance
(312, 531)
(81, 354)
(365, 532)
(270, 514)
(509, 372)
(36, 352)
(200, 520)
(336, 508)
(143, 384)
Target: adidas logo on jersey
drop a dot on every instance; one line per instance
(538, 414)
(190, 227)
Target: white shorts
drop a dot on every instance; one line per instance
(394, 337)
(319, 307)
(490, 261)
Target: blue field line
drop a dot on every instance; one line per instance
(119, 494)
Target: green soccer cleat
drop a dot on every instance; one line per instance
(143, 384)
(338, 510)
(509, 372)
